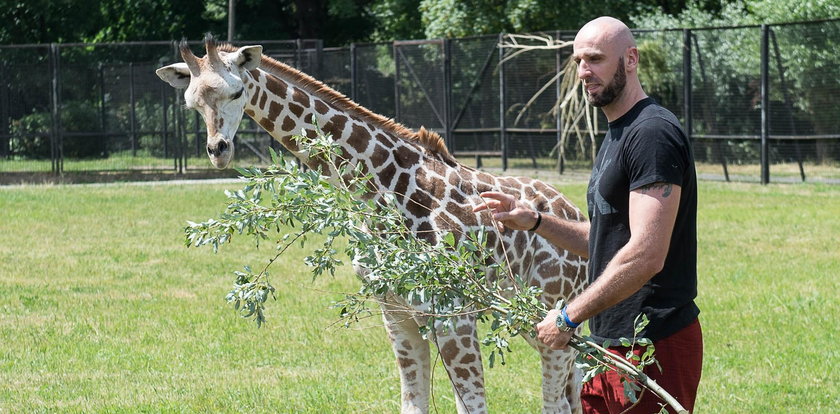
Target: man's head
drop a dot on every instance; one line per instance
(607, 60)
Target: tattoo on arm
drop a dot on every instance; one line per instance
(665, 187)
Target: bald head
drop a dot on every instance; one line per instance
(607, 31)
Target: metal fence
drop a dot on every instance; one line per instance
(757, 101)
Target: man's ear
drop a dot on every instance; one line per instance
(632, 58)
(177, 75)
(247, 57)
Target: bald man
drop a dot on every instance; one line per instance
(641, 236)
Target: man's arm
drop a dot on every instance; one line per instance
(516, 215)
(653, 211)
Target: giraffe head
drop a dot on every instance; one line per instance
(215, 87)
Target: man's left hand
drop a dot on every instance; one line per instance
(549, 334)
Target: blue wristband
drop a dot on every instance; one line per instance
(566, 319)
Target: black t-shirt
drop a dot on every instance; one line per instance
(646, 145)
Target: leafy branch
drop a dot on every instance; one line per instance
(456, 276)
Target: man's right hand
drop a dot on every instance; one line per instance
(507, 211)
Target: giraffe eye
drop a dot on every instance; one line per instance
(237, 95)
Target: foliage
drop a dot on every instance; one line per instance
(31, 135)
(456, 276)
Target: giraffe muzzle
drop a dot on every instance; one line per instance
(220, 152)
(218, 149)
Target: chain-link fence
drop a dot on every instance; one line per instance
(757, 102)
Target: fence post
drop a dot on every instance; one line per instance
(558, 67)
(687, 86)
(133, 114)
(765, 104)
(56, 147)
(5, 109)
(354, 88)
(502, 126)
(447, 93)
(396, 80)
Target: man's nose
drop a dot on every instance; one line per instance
(583, 70)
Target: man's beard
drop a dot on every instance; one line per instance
(612, 90)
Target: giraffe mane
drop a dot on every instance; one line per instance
(429, 140)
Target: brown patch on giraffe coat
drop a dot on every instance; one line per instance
(308, 119)
(267, 124)
(401, 186)
(424, 232)
(386, 140)
(484, 178)
(277, 86)
(466, 341)
(296, 109)
(550, 269)
(274, 109)
(288, 124)
(521, 239)
(300, 96)
(335, 125)
(263, 100)
(321, 107)
(468, 359)
(432, 184)
(289, 143)
(464, 215)
(379, 156)
(405, 157)
(256, 97)
(406, 362)
(421, 204)
(249, 112)
(462, 373)
(359, 138)
(553, 288)
(449, 350)
(456, 196)
(386, 175)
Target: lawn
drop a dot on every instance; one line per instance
(105, 310)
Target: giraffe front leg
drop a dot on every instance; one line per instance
(413, 358)
(561, 379)
(459, 350)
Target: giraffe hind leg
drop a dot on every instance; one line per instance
(560, 379)
(460, 353)
(413, 358)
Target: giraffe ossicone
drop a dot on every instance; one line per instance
(434, 192)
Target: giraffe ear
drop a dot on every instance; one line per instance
(247, 57)
(178, 75)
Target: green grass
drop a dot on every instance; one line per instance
(102, 309)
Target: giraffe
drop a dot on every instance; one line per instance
(434, 192)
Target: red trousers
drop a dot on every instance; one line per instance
(681, 358)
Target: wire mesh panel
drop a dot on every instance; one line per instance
(474, 112)
(336, 71)
(375, 73)
(530, 94)
(116, 114)
(661, 68)
(804, 85)
(26, 121)
(726, 97)
(420, 84)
